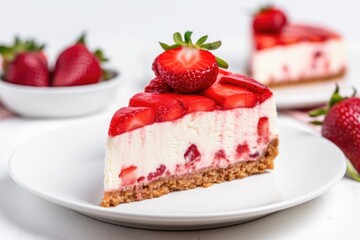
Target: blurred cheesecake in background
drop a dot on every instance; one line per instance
(285, 53)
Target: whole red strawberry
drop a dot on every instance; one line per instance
(24, 63)
(28, 68)
(342, 126)
(188, 67)
(269, 20)
(76, 65)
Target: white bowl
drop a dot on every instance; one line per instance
(53, 102)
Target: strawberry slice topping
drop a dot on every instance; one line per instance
(195, 103)
(129, 118)
(244, 81)
(158, 85)
(166, 106)
(229, 96)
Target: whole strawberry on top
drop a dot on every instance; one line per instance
(24, 63)
(188, 67)
(76, 65)
(342, 126)
(269, 20)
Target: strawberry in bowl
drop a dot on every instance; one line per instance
(77, 84)
(25, 63)
(76, 65)
(341, 125)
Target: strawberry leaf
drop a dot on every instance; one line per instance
(100, 56)
(221, 63)
(82, 39)
(164, 46)
(200, 44)
(336, 97)
(178, 38)
(211, 46)
(3, 49)
(316, 122)
(201, 41)
(187, 37)
(167, 47)
(318, 112)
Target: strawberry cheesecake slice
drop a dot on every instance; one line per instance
(286, 53)
(186, 131)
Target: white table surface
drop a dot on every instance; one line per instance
(23, 215)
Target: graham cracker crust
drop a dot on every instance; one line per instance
(302, 81)
(203, 178)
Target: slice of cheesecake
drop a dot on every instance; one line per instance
(194, 125)
(286, 53)
(166, 142)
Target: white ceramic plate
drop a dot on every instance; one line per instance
(309, 95)
(65, 167)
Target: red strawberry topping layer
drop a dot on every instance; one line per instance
(158, 85)
(291, 34)
(129, 118)
(195, 103)
(188, 68)
(167, 107)
(230, 91)
(229, 96)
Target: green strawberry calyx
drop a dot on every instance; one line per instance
(199, 44)
(335, 98)
(351, 171)
(264, 8)
(9, 52)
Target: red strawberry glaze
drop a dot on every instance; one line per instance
(291, 34)
(127, 118)
(195, 103)
(167, 107)
(158, 85)
(229, 96)
(230, 91)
